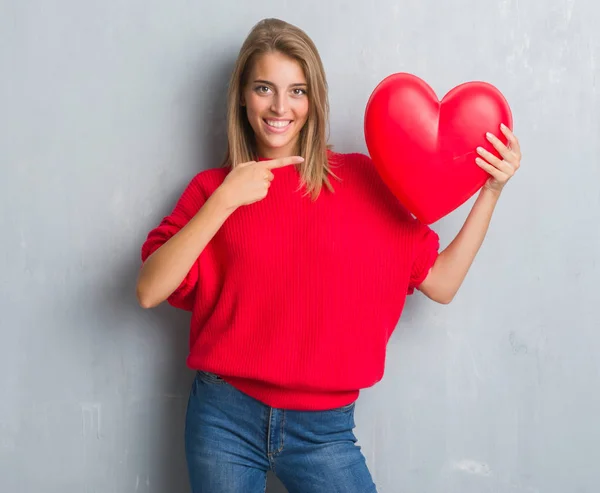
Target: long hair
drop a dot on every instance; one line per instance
(274, 35)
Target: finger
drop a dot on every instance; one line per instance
(269, 176)
(493, 160)
(284, 161)
(498, 145)
(512, 139)
(492, 170)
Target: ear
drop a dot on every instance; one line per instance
(242, 100)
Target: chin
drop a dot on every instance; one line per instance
(279, 144)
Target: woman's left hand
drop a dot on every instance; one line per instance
(500, 170)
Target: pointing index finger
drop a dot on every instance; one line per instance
(284, 161)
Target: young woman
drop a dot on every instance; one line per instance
(295, 262)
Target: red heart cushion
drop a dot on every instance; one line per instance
(425, 149)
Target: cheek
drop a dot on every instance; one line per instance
(256, 105)
(301, 109)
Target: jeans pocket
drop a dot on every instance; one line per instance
(209, 378)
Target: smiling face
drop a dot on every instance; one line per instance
(276, 101)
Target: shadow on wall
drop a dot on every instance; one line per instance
(210, 124)
(155, 404)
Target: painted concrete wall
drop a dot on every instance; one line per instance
(106, 111)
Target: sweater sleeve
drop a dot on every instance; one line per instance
(186, 207)
(426, 244)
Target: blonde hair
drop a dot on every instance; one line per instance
(274, 35)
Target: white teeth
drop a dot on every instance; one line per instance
(278, 124)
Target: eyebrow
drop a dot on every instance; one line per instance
(261, 81)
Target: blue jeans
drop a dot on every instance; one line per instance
(232, 440)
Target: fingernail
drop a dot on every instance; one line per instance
(480, 149)
(488, 134)
(503, 126)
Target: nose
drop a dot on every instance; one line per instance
(278, 104)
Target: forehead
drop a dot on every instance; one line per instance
(277, 68)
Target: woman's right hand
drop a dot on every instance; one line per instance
(249, 182)
(166, 268)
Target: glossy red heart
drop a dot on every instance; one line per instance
(425, 149)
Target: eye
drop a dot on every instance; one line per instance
(299, 92)
(262, 89)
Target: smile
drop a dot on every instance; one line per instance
(278, 123)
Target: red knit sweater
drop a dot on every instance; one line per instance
(293, 301)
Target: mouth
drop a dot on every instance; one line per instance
(277, 126)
